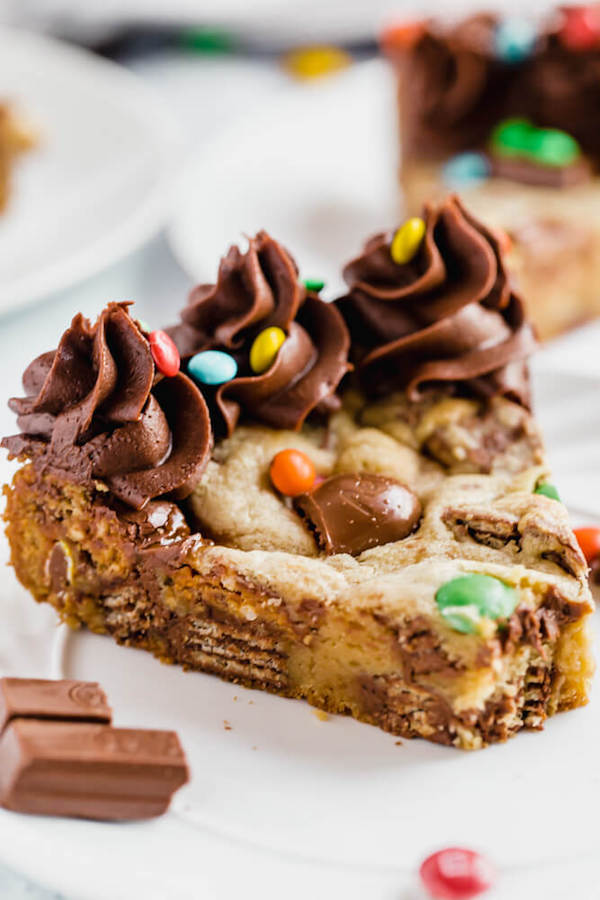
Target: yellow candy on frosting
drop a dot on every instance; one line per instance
(265, 348)
(407, 240)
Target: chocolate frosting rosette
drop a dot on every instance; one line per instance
(455, 89)
(255, 291)
(446, 317)
(98, 408)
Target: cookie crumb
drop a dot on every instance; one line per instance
(398, 743)
(320, 714)
(235, 697)
(226, 725)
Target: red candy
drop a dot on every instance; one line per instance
(164, 353)
(581, 27)
(456, 874)
(589, 541)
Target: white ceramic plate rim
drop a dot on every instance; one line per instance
(147, 217)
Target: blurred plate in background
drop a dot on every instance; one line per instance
(316, 168)
(98, 182)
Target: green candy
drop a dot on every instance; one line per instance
(548, 490)
(547, 146)
(313, 284)
(512, 137)
(554, 148)
(465, 600)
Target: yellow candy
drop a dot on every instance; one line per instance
(407, 240)
(314, 62)
(265, 348)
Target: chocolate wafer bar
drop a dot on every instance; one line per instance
(59, 754)
(88, 770)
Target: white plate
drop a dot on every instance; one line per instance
(316, 169)
(98, 182)
(286, 805)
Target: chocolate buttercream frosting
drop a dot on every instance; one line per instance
(454, 88)
(96, 408)
(256, 290)
(351, 513)
(448, 316)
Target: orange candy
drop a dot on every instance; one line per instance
(589, 541)
(292, 472)
(401, 37)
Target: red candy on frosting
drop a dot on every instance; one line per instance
(456, 874)
(164, 353)
(581, 27)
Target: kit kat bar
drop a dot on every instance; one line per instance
(64, 700)
(90, 771)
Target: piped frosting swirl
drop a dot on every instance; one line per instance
(96, 408)
(448, 316)
(256, 290)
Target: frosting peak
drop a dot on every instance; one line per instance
(96, 408)
(254, 291)
(448, 315)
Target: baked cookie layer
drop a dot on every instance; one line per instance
(242, 591)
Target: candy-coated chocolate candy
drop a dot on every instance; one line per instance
(401, 37)
(552, 147)
(265, 347)
(465, 170)
(547, 490)
(589, 541)
(313, 284)
(212, 367)
(292, 472)
(164, 353)
(314, 62)
(547, 146)
(581, 27)
(514, 39)
(407, 240)
(513, 137)
(483, 594)
(456, 874)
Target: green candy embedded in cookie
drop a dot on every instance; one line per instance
(552, 147)
(467, 599)
(513, 137)
(548, 490)
(546, 146)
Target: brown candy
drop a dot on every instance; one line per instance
(59, 755)
(351, 513)
(37, 698)
(89, 771)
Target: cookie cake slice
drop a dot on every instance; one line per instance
(347, 503)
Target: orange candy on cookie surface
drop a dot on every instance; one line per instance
(292, 472)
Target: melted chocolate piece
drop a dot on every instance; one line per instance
(351, 513)
(256, 290)
(96, 408)
(448, 316)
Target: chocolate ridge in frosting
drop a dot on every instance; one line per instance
(96, 408)
(256, 290)
(448, 316)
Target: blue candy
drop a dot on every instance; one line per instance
(212, 367)
(514, 40)
(466, 169)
